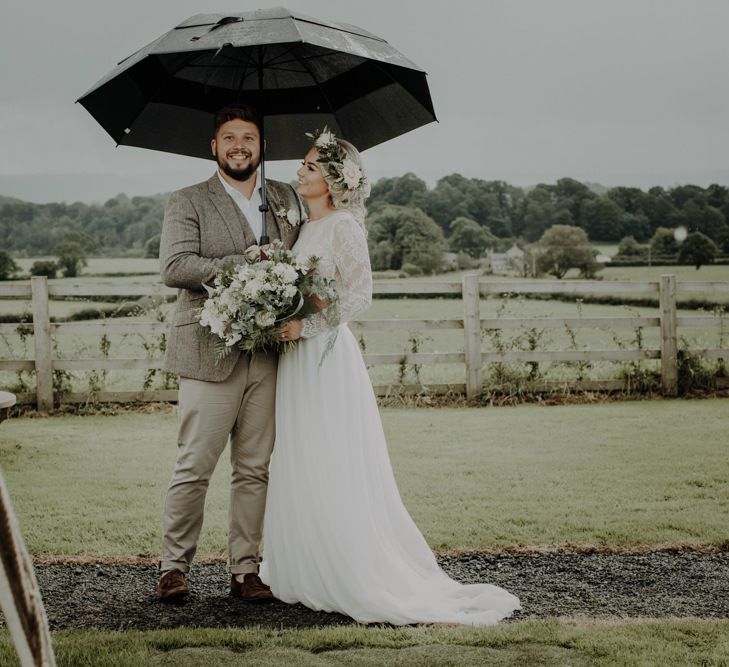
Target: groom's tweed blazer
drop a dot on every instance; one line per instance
(204, 230)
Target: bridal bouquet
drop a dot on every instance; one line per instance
(247, 303)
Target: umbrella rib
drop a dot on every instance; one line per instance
(316, 81)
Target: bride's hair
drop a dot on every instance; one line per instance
(343, 197)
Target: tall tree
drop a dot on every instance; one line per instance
(562, 248)
(406, 190)
(571, 194)
(415, 238)
(663, 243)
(470, 237)
(8, 266)
(701, 217)
(602, 219)
(698, 249)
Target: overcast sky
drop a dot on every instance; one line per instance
(622, 92)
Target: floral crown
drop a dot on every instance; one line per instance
(342, 170)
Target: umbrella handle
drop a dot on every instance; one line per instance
(263, 208)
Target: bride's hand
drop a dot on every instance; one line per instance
(291, 330)
(319, 304)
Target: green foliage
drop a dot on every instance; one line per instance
(408, 270)
(36, 229)
(701, 217)
(407, 190)
(468, 236)
(151, 247)
(412, 235)
(124, 225)
(629, 247)
(698, 249)
(663, 243)
(44, 267)
(539, 212)
(722, 241)
(464, 262)
(381, 255)
(564, 247)
(71, 257)
(8, 266)
(601, 218)
(72, 252)
(694, 374)
(489, 203)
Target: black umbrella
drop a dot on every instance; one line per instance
(299, 72)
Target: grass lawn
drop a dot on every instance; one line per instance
(551, 642)
(620, 474)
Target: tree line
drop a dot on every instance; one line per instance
(411, 225)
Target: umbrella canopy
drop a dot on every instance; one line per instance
(301, 73)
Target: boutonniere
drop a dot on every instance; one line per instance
(290, 216)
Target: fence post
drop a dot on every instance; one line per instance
(42, 340)
(472, 333)
(669, 347)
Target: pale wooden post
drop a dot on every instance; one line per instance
(669, 347)
(20, 598)
(42, 341)
(472, 334)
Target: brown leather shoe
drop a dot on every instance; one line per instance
(251, 590)
(172, 586)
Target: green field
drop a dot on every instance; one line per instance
(627, 474)
(620, 474)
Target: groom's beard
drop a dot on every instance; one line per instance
(238, 174)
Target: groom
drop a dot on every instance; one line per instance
(208, 226)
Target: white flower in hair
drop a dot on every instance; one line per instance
(324, 139)
(351, 173)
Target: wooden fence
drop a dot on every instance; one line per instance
(470, 288)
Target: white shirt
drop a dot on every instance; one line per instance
(248, 207)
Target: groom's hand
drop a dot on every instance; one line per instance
(252, 254)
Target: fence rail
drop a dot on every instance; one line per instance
(471, 289)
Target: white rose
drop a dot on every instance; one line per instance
(265, 319)
(233, 339)
(285, 272)
(324, 139)
(351, 173)
(252, 289)
(211, 319)
(228, 300)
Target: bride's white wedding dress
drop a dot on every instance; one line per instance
(337, 535)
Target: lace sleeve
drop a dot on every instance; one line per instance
(353, 279)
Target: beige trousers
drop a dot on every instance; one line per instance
(240, 408)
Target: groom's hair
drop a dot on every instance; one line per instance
(237, 111)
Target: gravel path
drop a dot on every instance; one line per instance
(603, 585)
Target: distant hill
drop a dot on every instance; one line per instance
(91, 188)
(597, 188)
(9, 200)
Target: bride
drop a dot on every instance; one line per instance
(337, 535)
